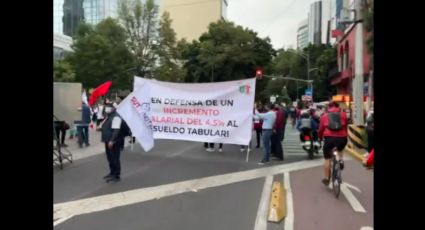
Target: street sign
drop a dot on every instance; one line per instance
(308, 92)
(272, 99)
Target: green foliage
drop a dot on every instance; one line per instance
(63, 72)
(226, 52)
(169, 52)
(100, 54)
(140, 23)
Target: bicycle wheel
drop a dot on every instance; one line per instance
(336, 177)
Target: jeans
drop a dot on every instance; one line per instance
(83, 134)
(266, 143)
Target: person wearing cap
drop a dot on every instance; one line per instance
(114, 143)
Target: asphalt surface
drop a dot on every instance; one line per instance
(230, 206)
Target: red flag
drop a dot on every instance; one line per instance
(99, 91)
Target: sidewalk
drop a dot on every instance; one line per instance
(96, 146)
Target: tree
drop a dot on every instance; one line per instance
(63, 72)
(140, 23)
(226, 52)
(169, 52)
(289, 63)
(100, 54)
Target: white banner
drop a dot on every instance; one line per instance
(134, 109)
(207, 112)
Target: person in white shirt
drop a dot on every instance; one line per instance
(99, 114)
(269, 118)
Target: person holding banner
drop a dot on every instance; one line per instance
(269, 118)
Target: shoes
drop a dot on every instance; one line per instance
(87, 145)
(263, 162)
(113, 179)
(107, 176)
(64, 145)
(257, 146)
(316, 144)
(210, 150)
(220, 150)
(242, 149)
(325, 182)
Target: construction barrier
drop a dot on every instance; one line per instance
(277, 209)
(357, 141)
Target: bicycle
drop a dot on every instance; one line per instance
(335, 174)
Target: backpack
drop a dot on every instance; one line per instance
(305, 123)
(335, 123)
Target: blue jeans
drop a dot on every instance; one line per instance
(266, 143)
(83, 134)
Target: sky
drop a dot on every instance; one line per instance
(277, 19)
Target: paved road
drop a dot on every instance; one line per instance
(179, 185)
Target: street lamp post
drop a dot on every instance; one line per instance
(306, 56)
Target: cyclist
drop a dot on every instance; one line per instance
(333, 130)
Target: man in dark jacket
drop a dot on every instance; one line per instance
(114, 142)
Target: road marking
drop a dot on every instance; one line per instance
(106, 202)
(352, 187)
(60, 220)
(352, 200)
(366, 228)
(261, 220)
(289, 220)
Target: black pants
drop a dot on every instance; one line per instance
(276, 147)
(283, 132)
(61, 130)
(113, 156)
(98, 121)
(212, 145)
(369, 132)
(258, 131)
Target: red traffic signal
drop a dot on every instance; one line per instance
(259, 73)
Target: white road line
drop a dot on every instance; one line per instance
(289, 219)
(261, 220)
(352, 187)
(60, 220)
(366, 228)
(352, 200)
(105, 202)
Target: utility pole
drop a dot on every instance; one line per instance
(358, 70)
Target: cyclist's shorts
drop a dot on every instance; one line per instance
(331, 143)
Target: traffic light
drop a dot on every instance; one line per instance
(259, 74)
